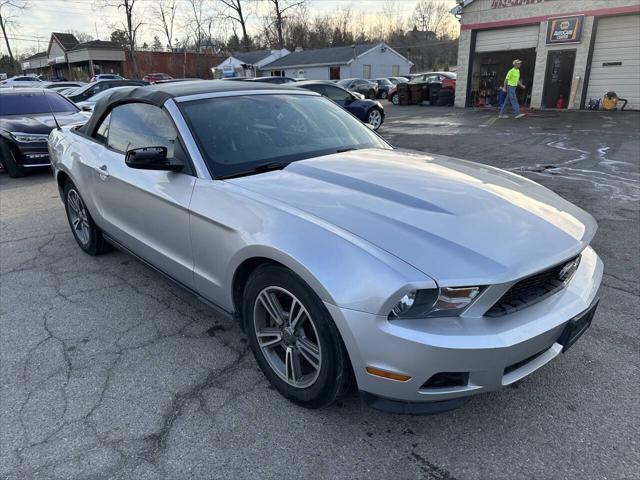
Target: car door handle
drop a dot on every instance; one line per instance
(103, 171)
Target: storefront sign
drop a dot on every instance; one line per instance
(513, 3)
(564, 30)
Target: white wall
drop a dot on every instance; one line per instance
(310, 73)
(381, 63)
(381, 66)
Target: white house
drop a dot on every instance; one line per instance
(247, 64)
(361, 61)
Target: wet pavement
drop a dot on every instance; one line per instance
(110, 372)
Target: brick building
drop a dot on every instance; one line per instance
(176, 64)
(571, 51)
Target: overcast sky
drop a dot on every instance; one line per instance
(33, 27)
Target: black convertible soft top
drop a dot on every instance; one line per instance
(158, 94)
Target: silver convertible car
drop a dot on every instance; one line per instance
(423, 279)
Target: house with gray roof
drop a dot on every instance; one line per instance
(372, 60)
(247, 64)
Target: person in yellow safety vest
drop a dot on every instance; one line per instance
(511, 83)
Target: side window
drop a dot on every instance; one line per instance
(317, 88)
(138, 125)
(103, 130)
(336, 94)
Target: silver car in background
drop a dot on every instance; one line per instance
(424, 279)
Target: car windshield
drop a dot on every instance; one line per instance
(383, 81)
(34, 102)
(238, 134)
(344, 83)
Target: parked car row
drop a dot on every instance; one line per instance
(27, 114)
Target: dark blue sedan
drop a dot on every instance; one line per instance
(369, 111)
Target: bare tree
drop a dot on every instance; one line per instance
(431, 16)
(7, 9)
(278, 11)
(82, 37)
(130, 26)
(196, 21)
(235, 12)
(166, 13)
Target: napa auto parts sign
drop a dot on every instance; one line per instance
(564, 30)
(513, 3)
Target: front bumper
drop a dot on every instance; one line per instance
(33, 155)
(490, 352)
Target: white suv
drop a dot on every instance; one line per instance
(24, 81)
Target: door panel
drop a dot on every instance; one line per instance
(148, 212)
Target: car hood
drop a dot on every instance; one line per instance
(459, 222)
(39, 123)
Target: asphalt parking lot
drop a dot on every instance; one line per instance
(109, 371)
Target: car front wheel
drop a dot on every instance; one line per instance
(294, 339)
(374, 118)
(7, 156)
(384, 94)
(395, 99)
(85, 231)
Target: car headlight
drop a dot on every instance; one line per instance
(29, 137)
(434, 302)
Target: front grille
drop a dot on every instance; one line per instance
(535, 288)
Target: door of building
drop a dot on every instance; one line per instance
(558, 77)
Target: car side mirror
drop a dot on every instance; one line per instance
(351, 99)
(86, 108)
(152, 158)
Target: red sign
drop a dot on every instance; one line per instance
(513, 3)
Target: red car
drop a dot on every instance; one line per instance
(156, 77)
(441, 88)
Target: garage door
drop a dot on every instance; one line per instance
(616, 60)
(516, 38)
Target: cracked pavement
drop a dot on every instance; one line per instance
(108, 371)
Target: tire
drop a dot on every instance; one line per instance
(395, 99)
(375, 118)
(384, 94)
(7, 155)
(91, 240)
(445, 98)
(371, 94)
(303, 383)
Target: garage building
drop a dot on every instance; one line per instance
(572, 52)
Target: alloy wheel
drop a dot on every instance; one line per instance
(287, 336)
(375, 119)
(78, 217)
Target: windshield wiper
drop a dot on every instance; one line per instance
(342, 150)
(265, 167)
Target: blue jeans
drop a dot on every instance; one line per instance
(511, 98)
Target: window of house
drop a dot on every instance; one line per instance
(395, 70)
(334, 73)
(366, 71)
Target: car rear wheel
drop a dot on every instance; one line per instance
(395, 99)
(383, 94)
(85, 231)
(374, 118)
(7, 156)
(371, 94)
(294, 339)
